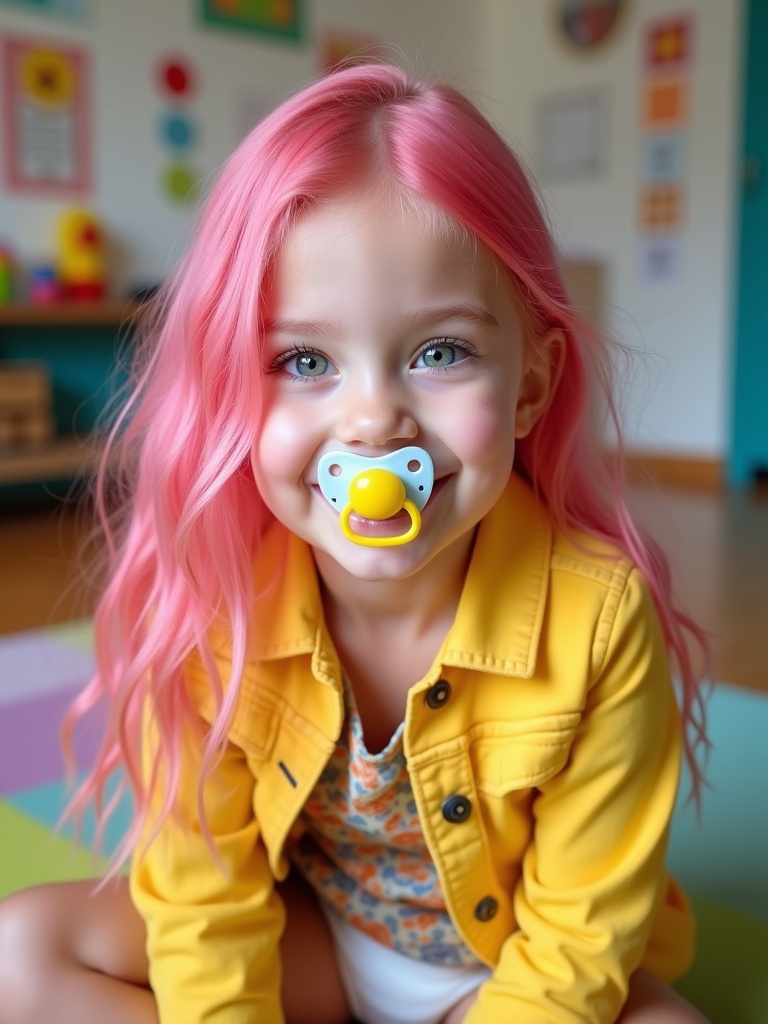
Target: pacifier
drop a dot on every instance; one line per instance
(377, 488)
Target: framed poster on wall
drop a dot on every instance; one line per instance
(77, 9)
(572, 132)
(45, 117)
(276, 18)
(587, 23)
(344, 49)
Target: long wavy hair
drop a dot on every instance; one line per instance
(176, 463)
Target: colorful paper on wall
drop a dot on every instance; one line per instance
(663, 157)
(279, 18)
(665, 104)
(668, 43)
(659, 258)
(665, 114)
(46, 117)
(76, 9)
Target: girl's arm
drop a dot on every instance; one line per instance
(213, 929)
(594, 874)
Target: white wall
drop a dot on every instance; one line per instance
(507, 54)
(126, 40)
(680, 400)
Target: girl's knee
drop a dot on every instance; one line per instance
(25, 926)
(650, 1001)
(27, 948)
(62, 944)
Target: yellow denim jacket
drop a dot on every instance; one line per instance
(544, 773)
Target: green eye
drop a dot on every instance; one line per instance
(436, 356)
(310, 364)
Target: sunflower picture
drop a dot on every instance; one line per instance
(46, 113)
(47, 78)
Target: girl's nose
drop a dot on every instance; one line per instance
(375, 416)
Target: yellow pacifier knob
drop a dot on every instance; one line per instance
(376, 494)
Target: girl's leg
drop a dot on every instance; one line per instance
(72, 956)
(312, 989)
(650, 1001)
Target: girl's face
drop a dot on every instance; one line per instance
(384, 333)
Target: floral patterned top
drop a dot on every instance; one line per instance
(364, 852)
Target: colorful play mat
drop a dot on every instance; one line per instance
(722, 859)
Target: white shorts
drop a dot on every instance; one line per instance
(385, 987)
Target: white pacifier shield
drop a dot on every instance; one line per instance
(336, 470)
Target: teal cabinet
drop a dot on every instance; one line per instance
(749, 419)
(86, 350)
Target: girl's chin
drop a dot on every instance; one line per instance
(371, 563)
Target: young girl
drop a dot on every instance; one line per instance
(379, 622)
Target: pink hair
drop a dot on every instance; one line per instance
(183, 558)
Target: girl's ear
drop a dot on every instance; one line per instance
(544, 361)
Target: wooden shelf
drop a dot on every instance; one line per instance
(59, 460)
(65, 457)
(63, 314)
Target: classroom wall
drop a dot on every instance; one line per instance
(240, 76)
(507, 54)
(680, 393)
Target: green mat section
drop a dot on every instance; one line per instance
(721, 858)
(729, 980)
(31, 854)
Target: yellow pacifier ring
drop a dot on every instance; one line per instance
(377, 494)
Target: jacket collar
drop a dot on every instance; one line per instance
(500, 612)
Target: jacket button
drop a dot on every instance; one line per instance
(456, 809)
(486, 908)
(438, 694)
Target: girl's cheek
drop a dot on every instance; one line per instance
(283, 444)
(280, 430)
(481, 434)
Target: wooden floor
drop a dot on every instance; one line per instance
(717, 542)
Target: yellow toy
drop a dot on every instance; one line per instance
(81, 256)
(6, 276)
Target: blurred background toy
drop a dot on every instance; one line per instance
(6, 275)
(43, 285)
(81, 256)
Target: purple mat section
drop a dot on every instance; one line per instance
(41, 662)
(41, 671)
(30, 741)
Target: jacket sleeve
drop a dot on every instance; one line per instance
(594, 874)
(213, 930)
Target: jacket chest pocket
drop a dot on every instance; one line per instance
(255, 725)
(508, 756)
(256, 718)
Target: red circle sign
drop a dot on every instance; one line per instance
(176, 77)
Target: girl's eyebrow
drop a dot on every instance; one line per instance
(291, 325)
(469, 312)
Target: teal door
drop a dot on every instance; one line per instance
(749, 438)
